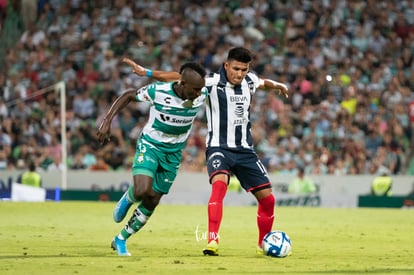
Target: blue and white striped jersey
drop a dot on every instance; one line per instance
(228, 111)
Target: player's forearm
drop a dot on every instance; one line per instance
(156, 74)
(120, 103)
(269, 84)
(165, 76)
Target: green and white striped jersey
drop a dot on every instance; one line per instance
(170, 117)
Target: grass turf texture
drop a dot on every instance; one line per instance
(74, 238)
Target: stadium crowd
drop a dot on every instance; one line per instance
(349, 65)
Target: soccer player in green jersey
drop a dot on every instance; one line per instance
(174, 106)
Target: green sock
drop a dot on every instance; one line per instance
(130, 194)
(136, 222)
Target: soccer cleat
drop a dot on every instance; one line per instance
(259, 251)
(121, 208)
(211, 249)
(120, 247)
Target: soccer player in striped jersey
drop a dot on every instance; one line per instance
(229, 140)
(174, 106)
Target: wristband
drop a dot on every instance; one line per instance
(148, 72)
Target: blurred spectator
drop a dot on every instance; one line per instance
(4, 162)
(381, 185)
(349, 66)
(301, 184)
(100, 164)
(77, 163)
(83, 106)
(127, 122)
(54, 164)
(4, 111)
(89, 157)
(30, 177)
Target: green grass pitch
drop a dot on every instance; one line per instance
(74, 238)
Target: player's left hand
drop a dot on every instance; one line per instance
(278, 86)
(282, 89)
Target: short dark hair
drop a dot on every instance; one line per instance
(240, 54)
(195, 67)
(32, 166)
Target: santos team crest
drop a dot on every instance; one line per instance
(142, 149)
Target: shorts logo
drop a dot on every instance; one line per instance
(216, 163)
(142, 149)
(140, 158)
(215, 159)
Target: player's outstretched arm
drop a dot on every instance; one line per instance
(104, 130)
(158, 75)
(269, 84)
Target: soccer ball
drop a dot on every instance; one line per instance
(276, 244)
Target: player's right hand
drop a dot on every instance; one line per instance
(136, 68)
